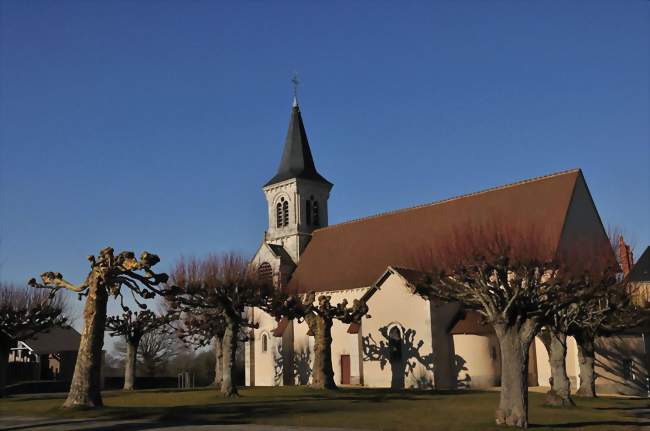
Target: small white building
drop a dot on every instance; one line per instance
(409, 342)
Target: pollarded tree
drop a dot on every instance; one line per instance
(108, 275)
(133, 326)
(319, 314)
(603, 312)
(516, 281)
(607, 312)
(23, 314)
(221, 286)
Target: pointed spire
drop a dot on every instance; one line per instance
(297, 161)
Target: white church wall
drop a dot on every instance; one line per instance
(395, 305)
(266, 368)
(477, 359)
(303, 347)
(344, 343)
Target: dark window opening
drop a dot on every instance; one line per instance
(265, 272)
(278, 215)
(315, 211)
(395, 344)
(285, 213)
(308, 212)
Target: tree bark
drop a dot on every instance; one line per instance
(4, 365)
(130, 364)
(514, 341)
(586, 359)
(323, 373)
(229, 350)
(85, 389)
(218, 364)
(560, 393)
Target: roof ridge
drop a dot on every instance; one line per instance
(454, 198)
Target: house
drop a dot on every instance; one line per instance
(408, 342)
(47, 356)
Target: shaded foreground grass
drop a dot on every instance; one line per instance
(371, 409)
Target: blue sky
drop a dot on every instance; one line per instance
(153, 125)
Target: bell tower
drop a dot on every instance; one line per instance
(297, 195)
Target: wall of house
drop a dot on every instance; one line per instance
(544, 367)
(477, 360)
(622, 365)
(394, 305)
(268, 364)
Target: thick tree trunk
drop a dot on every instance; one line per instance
(586, 359)
(129, 364)
(218, 364)
(513, 404)
(4, 364)
(560, 393)
(229, 351)
(323, 374)
(86, 382)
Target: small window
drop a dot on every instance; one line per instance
(278, 215)
(265, 343)
(628, 369)
(395, 344)
(265, 272)
(285, 213)
(308, 212)
(316, 215)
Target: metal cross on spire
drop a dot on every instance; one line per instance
(295, 82)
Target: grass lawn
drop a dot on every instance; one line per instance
(352, 408)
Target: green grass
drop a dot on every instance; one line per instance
(352, 408)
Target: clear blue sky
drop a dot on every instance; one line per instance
(153, 125)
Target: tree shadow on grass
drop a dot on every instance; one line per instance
(587, 424)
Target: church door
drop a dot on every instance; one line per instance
(345, 369)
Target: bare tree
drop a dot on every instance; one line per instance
(218, 286)
(133, 326)
(516, 280)
(108, 275)
(23, 314)
(156, 348)
(319, 316)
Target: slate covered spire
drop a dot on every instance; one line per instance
(297, 161)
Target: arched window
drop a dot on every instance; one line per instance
(316, 215)
(278, 215)
(265, 272)
(285, 212)
(308, 212)
(265, 343)
(395, 344)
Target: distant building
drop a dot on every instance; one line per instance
(408, 342)
(48, 356)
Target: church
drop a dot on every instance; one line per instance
(408, 342)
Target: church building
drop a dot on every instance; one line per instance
(408, 342)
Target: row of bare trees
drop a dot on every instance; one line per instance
(516, 280)
(520, 283)
(25, 313)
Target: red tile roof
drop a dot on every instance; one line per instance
(354, 254)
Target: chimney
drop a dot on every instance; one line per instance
(625, 256)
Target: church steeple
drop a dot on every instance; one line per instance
(297, 161)
(297, 195)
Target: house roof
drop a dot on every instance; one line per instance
(55, 340)
(353, 254)
(641, 270)
(297, 161)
